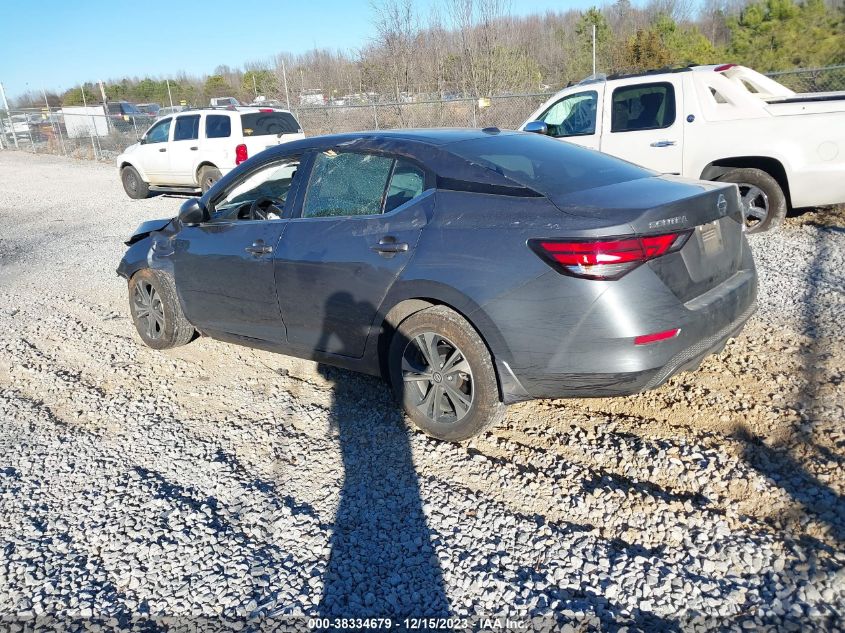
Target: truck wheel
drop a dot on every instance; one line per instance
(208, 176)
(133, 185)
(442, 373)
(156, 311)
(762, 198)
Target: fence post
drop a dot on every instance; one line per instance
(92, 130)
(9, 114)
(375, 115)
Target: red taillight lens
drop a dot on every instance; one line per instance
(606, 259)
(266, 110)
(724, 67)
(240, 154)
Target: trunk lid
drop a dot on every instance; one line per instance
(655, 206)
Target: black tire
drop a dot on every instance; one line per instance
(208, 176)
(133, 184)
(164, 326)
(479, 392)
(751, 181)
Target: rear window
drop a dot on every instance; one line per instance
(218, 126)
(266, 123)
(552, 168)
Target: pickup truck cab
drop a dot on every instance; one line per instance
(191, 150)
(723, 122)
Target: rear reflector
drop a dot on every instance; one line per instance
(606, 259)
(240, 154)
(645, 339)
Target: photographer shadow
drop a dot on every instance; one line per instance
(382, 562)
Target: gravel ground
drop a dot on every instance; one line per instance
(218, 484)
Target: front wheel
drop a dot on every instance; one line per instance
(133, 184)
(763, 200)
(442, 373)
(156, 311)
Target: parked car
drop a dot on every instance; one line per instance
(170, 110)
(149, 108)
(126, 117)
(725, 122)
(471, 268)
(224, 102)
(194, 149)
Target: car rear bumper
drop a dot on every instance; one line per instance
(597, 356)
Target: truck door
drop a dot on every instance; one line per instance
(643, 124)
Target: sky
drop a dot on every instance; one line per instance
(65, 42)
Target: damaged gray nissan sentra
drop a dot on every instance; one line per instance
(471, 268)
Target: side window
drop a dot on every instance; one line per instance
(574, 115)
(346, 183)
(643, 107)
(218, 126)
(406, 183)
(187, 128)
(159, 133)
(268, 186)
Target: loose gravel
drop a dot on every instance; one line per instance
(220, 485)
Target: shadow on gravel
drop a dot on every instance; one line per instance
(786, 463)
(382, 563)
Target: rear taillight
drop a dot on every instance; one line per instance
(607, 258)
(240, 154)
(724, 67)
(266, 110)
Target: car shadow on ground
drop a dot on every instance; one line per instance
(382, 561)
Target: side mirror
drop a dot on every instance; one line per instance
(537, 127)
(193, 212)
(143, 140)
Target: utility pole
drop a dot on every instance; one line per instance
(254, 89)
(9, 114)
(594, 50)
(285, 79)
(93, 127)
(169, 96)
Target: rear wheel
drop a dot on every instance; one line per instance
(156, 311)
(763, 201)
(208, 176)
(442, 373)
(133, 184)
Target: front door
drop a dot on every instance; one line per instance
(643, 124)
(153, 154)
(224, 268)
(576, 117)
(361, 219)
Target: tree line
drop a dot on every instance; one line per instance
(478, 48)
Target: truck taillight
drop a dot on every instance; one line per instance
(240, 154)
(724, 67)
(606, 259)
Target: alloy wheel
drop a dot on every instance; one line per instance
(437, 378)
(755, 205)
(149, 310)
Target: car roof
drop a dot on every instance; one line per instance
(426, 136)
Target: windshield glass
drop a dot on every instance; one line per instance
(550, 167)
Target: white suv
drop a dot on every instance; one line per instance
(192, 150)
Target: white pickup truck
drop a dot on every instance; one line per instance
(724, 122)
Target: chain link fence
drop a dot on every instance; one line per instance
(102, 132)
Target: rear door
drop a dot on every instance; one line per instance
(184, 149)
(576, 117)
(217, 142)
(361, 218)
(643, 124)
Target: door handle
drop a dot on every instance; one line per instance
(388, 246)
(163, 149)
(662, 143)
(194, 148)
(259, 248)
